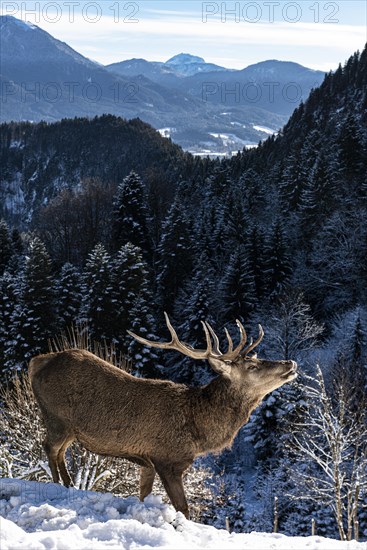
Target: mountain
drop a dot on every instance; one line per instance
(185, 64)
(273, 85)
(184, 98)
(154, 70)
(39, 160)
(44, 78)
(168, 73)
(276, 86)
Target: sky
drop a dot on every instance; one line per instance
(235, 34)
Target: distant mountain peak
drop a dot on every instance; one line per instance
(184, 58)
(9, 19)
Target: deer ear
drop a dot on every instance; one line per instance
(221, 367)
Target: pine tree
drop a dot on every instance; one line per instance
(174, 257)
(236, 223)
(254, 192)
(5, 246)
(17, 258)
(145, 360)
(352, 151)
(194, 304)
(131, 299)
(130, 214)
(68, 296)
(278, 262)
(292, 182)
(318, 198)
(33, 318)
(96, 293)
(237, 292)
(254, 251)
(8, 302)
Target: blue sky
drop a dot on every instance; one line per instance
(317, 34)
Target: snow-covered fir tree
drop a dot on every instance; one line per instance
(5, 246)
(33, 321)
(174, 257)
(96, 293)
(131, 302)
(68, 293)
(193, 305)
(237, 292)
(130, 217)
(278, 260)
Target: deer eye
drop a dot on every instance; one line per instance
(252, 367)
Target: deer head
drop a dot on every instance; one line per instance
(259, 376)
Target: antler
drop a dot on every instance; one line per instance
(252, 344)
(231, 354)
(187, 350)
(175, 343)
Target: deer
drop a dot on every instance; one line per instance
(158, 424)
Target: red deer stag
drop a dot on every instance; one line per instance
(160, 425)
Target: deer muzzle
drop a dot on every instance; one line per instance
(291, 371)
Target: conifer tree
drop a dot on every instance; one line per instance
(131, 300)
(235, 219)
(292, 182)
(352, 150)
(174, 257)
(146, 361)
(33, 318)
(278, 262)
(237, 292)
(254, 251)
(8, 302)
(130, 214)
(96, 292)
(68, 296)
(194, 304)
(253, 190)
(5, 246)
(318, 198)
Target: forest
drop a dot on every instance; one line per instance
(106, 225)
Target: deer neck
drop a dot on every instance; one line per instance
(219, 410)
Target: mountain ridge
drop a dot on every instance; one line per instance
(45, 79)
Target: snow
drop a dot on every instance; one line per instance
(264, 129)
(25, 25)
(166, 132)
(42, 516)
(226, 138)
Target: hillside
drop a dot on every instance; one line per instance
(39, 160)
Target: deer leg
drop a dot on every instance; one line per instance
(61, 462)
(171, 477)
(57, 435)
(147, 475)
(51, 452)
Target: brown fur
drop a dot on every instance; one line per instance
(160, 425)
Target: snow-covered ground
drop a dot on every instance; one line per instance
(43, 516)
